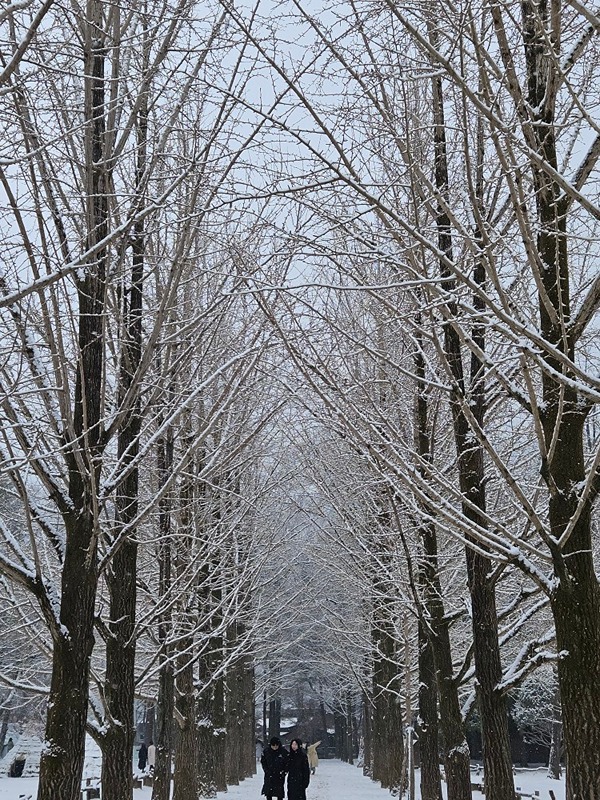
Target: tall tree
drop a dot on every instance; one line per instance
(61, 765)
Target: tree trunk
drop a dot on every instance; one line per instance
(275, 716)
(488, 668)
(218, 717)
(431, 784)
(212, 718)
(219, 734)
(206, 762)
(211, 729)
(497, 762)
(161, 786)
(186, 749)
(323, 715)
(249, 695)
(118, 741)
(247, 715)
(554, 768)
(576, 608)
(387, 720)
(234, 712)
(3, 729)
(575, 597)
(339, 726)
(367, 737)
(61, 764)
(434, 627)
(240, 752)
(185, 778)
(349, 729)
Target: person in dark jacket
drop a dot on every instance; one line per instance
(274, 763)
(298, 771)
(142, 756)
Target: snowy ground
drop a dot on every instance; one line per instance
(334, 780)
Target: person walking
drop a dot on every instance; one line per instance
(151, 757)
(142, 757)
(313, 758)
(298, 774)
(274, 761)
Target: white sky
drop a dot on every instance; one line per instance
(334, 780)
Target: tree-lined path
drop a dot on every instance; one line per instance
(299, 395)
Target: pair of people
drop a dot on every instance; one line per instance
(277, 763)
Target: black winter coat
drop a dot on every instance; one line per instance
(142, 756)
(274, 764)
(298, 775)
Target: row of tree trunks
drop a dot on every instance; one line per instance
(83, 432)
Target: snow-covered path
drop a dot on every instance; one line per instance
(334, 780)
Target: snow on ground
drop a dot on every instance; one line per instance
(334, 780)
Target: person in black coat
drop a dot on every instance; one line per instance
(142, 757)
(298, 771)
(274, 763)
